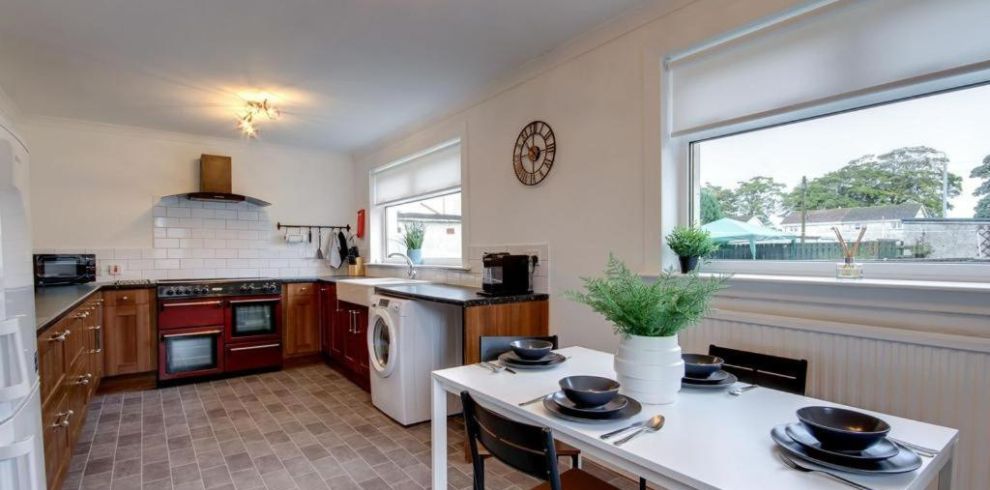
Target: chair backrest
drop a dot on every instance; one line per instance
(527, 448)
(491, 347)
(779, 373)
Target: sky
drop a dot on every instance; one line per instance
(956, 123)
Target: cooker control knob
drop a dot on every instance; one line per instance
(169, 292)
(244, 287)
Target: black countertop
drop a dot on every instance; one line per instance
(454, 295)
(51, 303)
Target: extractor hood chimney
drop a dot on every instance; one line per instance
(214, 183)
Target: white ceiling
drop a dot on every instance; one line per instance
(345, 72)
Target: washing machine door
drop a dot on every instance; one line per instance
(382, 343)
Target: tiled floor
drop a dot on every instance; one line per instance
(304, 428)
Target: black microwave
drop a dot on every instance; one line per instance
(62, 269)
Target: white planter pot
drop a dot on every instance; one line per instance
(649, 368)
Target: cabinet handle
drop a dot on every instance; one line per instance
(123, 298)
(192, 334)
(80, 316)
(62, 419)
(59, 337)
(84, 379)
(266, 346)
(98, 333)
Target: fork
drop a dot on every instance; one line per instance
(498, 367)
(921, 450)
(790, 463)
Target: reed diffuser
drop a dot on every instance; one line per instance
(849, 268)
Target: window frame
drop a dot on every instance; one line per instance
(686, 169)
(383, 229)
(377, 236)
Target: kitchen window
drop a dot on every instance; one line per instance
(420, 194)
(835, 117)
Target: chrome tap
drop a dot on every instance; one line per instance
(409, 262)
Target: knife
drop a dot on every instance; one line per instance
(619, 431)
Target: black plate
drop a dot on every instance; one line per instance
(725, 383)
(630, 410)
(510, 359)
(903, 462)
(713, 378)
(881, 450)
(600, 412)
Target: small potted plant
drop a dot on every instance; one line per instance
(648, 316)
(413, 238)
(690, 244)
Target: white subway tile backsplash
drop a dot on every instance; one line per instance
(178, 212)
(202, 240)
(166, 263)
(166, 243)
(178, 232)
(191, 243)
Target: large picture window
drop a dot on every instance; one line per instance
(913, 177)
(420, 195)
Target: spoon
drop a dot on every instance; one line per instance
(655, 423)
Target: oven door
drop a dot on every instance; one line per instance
(190, 352)
(254, 319)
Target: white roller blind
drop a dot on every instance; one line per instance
(838, 50)
(434, 171)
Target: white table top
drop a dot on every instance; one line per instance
(710, 440)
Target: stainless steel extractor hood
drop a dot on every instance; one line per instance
(214, 183)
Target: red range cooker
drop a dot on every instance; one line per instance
(211, 327)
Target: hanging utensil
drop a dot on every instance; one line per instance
(319, 244)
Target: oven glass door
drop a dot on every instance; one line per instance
(191, 352)
(253, 317)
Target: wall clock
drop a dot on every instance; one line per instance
(532, 157)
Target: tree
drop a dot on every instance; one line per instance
(982, 209)
(711, 209)
(909, 174)
(760, 197)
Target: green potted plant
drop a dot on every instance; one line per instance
(648, 316)
(413, 239)
(690, 244)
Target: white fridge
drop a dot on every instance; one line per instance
(22, 463)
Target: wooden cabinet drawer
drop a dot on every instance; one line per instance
(51, 360)
(301, 290)
(56, 436)
(127, 297)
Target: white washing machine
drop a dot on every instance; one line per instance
(407, 340)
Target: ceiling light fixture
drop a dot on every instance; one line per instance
(254, 110)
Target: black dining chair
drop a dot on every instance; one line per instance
(490, 347)
(527, 448)
(779, 373)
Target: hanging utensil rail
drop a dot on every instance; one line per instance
(279, 226)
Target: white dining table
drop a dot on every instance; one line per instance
(711, 439)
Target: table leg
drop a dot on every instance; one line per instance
(945, 474)
(438, 440)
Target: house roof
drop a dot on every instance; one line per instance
(846, 215)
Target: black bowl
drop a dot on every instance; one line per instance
(700, 366)
(589, 391)
(841, 429)
(531, 349)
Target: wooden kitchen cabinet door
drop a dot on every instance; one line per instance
(51, 360)
(302, 326)
(129, 341)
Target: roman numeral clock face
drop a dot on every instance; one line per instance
(532, 157)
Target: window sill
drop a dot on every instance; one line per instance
(981, 287)
(400, 265)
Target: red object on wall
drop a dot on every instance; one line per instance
(360, 223)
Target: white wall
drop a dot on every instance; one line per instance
(601, 96)
(94, 186)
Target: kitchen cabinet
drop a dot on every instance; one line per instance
(524, 319)
(129, 333)
(350, 330)
(328, 313)
(70, 363)
(301, 329)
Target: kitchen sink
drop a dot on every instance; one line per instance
(359, 291)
